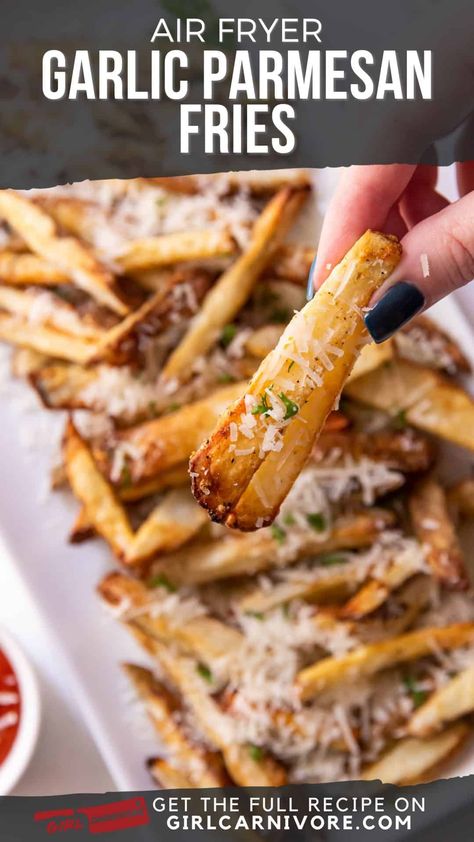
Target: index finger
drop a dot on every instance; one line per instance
(364, 198)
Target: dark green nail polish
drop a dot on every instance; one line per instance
(400, 303)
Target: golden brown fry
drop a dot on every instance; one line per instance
(173, 522)
(367, 660)
(461, 497)
(425, 398)
(175, 248)
(262, 340)
(404, 450)
(434, 529)
(58, 314)
(449, 702)
(168, 441)
(243, 767)
(237, 555)
(204, 637)
(203, 768)
(128, 341)
(375, 592)
(244, 471)
(25, 362)
(82, 528)
(234, 286)
(173, 478)
(258, 182)
(292, 262)
(45, 340)
(66, 254)
(105, 513)
(166, 776)
(411, 759)
(370, 358)
(422, 341)
(29, 270)
(59, 384)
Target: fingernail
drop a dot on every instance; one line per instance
(309, 285)
(400, 303)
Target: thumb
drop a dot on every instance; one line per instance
(438, 258)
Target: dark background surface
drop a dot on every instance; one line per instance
(44, 142)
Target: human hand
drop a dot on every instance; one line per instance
(437, 237)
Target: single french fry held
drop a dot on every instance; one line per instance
(244, 471)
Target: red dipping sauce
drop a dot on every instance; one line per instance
(10, 707)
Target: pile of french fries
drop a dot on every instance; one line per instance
(335, 643)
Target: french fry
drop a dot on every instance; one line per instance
(234, 286)
(323, 591)
(25, 362)
(45, 340)
(29, 270)
(425, 398)
(243, 767)
(172, 523)
(374, 657)
(422, 341)
(449, 702)
(173, 478)
(167, 776)
(127, 342)
(402, 450)
(168, 441)
(375, 592)
(60, 384)
(292, 262)
(264, 339)
(82, 528)
(298, 383)
(203, 768)
(66, 254)
(239, 555)
(461, 497)
(258, 182)
(175, 248)
(105, 513)
(411, 759)
(434, 529)
(60, 315)
(76, 216)
(204, 637)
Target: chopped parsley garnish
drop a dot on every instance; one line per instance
(291, 365)
(257, 615)
(152, 408)
(418, 696)
(162, 581)
(204, 672)
(289, 519)
(278, 533)
(332, 559)
(291, 408)
(316, 521)
(225, 377)
(256, 753)
(262, 406)
(227, 334)
(173, 407)
(161, 201)
(399, 421)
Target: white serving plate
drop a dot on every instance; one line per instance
(62, 578)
